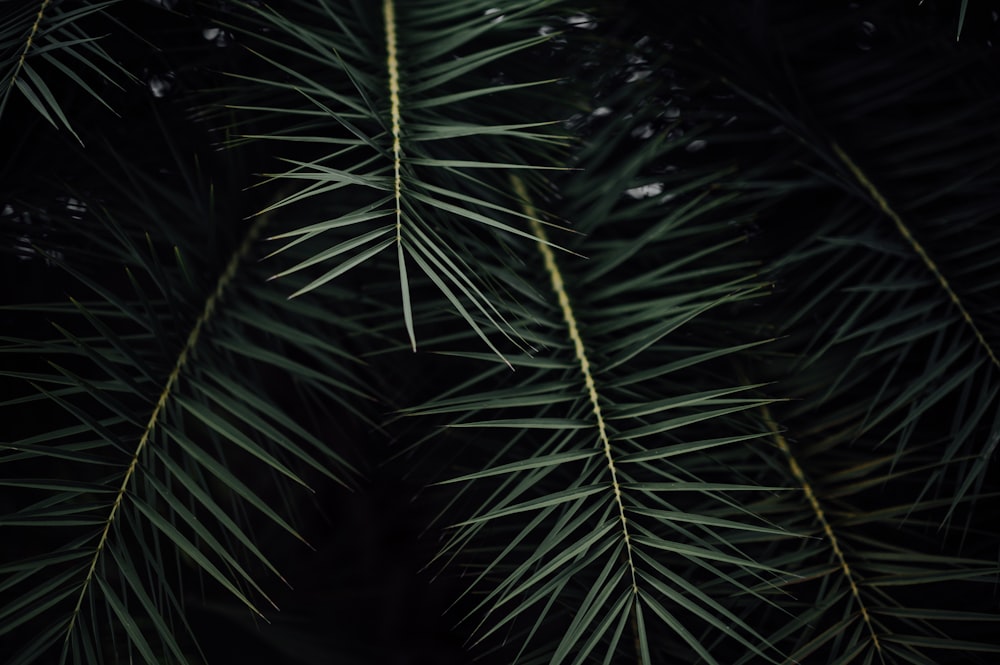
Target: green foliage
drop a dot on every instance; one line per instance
(684, 332)
(38, 39)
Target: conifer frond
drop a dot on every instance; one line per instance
(153, 413)
(604, 490)
(39, 39)
(430, 182)
(901, 298)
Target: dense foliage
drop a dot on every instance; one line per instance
(528, 332)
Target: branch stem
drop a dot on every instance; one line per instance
(884, 206)
(800, 478)
(559, 287)
(28, 43)
(161, 403)
(395, 117)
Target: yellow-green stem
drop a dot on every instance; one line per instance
(27, 44)
(392, 63)
(884, 206)
(558, 285)
(155, 416)
(817, 508)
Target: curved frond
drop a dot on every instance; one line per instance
(389, 154)
(888, 350)
(872, 580)
(598, 514)
(139, 474)
(45, 39)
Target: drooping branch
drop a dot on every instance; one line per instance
(573, 330)
(225, 279)
(904, 230)
(817, 508)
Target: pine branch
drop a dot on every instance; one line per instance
(187, 351)
(907, 234)
(558, 286)
(828, 531)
